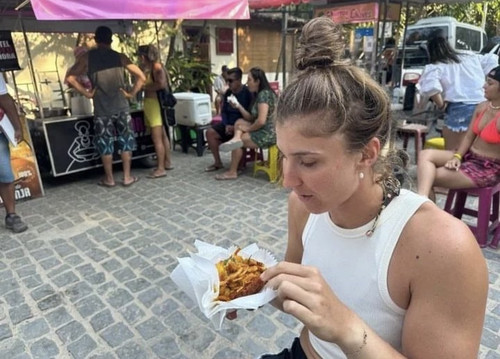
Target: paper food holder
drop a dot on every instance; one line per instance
(197, 276)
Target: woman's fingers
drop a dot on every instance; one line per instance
(284, 267)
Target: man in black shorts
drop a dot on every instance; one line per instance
(223, 131)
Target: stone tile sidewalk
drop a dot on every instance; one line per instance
(90, 278)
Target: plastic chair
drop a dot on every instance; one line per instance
(270, 167)
(487, 211)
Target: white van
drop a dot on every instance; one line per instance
(461, 36)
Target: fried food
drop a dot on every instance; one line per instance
(239, 277)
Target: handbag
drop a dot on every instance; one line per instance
(167, 103)
(165, 96)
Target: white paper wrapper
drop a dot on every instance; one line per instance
(197, 276)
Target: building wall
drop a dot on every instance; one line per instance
(259, 44)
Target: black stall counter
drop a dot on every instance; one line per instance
(65, 145)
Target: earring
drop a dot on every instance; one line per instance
(361, 175)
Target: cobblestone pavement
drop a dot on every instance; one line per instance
(90, 278)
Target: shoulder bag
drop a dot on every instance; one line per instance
(167, 102)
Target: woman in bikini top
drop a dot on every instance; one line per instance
(490, 132)
(476, 162)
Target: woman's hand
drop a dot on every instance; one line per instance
(127, 95)
(89, 93)
(304, 294)
(453, 164)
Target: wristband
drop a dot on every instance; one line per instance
(457, 156)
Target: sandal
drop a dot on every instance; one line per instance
(230, 146)
(134, 180)
(225, 177)
(213, 168)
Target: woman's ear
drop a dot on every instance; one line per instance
(370, 153)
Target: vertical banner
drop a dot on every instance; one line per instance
(8, 56)
(27, 181)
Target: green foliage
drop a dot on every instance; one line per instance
(189, 75)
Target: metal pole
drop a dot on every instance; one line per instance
(284, 29)
(404, 43)
(32, 71)
(375, 45)
(379, 54)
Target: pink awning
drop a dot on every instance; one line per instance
(262, 4)
(137, 10)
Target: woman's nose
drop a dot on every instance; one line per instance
(290, 178)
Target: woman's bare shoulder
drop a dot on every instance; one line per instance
(437, 235)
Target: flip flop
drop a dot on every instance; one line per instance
(101, 183)
(213, 168)
(134, 180)
(224, 177)
(169, 168)
(230, 146)
(152, 175)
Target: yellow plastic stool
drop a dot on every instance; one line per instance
(435, 142)
(270, 166)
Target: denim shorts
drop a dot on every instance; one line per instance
(458, 116)
(6, 175)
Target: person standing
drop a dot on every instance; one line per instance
(156, 79)
(223, 131)
(220, 88)
(105, 68)
(454, 81)
(7, 190)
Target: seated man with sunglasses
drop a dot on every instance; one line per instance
(224, 130)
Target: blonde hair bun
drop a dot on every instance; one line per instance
(320, 45)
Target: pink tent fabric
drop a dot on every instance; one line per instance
(136, 9)
(261, 4)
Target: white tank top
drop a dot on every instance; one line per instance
(356, 267)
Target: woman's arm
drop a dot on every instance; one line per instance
(448, 285)
(262, 112)
(159, 76)
(297, 218)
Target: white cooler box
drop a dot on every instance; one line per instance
(193, 109)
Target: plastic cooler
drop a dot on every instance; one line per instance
(193, 109)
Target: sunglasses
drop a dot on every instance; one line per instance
(230, 81)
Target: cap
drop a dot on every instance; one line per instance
(495, 74)
(103, 35)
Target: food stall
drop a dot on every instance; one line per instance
(64, 144)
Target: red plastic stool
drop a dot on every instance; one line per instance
(249, 155)
(487, 211)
